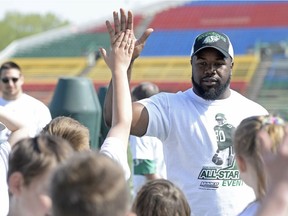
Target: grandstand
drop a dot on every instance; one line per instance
(259, 37)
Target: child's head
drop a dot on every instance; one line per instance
(248, 156)
(160, 197)
(31, 163)
(71, 130)
(89, 184)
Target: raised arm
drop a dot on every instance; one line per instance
(139, 113)
(118, 62)
(18, 129)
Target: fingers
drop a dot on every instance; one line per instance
(131, 47)
(110, 31)
(123, 19)
(126, 40)
(115, 38)
(120, 41)
(145, 36)
(117, 26)
(103, 54)
(130, 21)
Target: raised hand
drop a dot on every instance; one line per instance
(124, 23)
(121, 53)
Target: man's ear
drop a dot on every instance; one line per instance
(241, 163)
(15, 183)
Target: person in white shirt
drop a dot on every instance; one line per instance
(19, 131)
(249, 158)
(185, 121)
(94, 183)
(147, 151)
(26, 108)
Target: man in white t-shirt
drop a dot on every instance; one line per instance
(147, 151)
(28, 109)
(19, 131)
(185, 121)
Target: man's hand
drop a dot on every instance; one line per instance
(126, 22)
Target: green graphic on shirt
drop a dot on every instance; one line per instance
(214, 177)
(144, 166)
(224, 135)
(225, 173)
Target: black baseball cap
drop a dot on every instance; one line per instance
(213, 39)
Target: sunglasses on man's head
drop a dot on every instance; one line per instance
(6, 79)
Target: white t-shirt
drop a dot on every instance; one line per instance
(147, 154)
(251, 209)
(5, 149)
(29, 110)
(114, 148)
(185, 123)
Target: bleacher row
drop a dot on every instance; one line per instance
(246, 24)
(170, 73)
(275, 87)
(165, 59)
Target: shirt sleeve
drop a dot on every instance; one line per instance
(158, 109)
(114, 148)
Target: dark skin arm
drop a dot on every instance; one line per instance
(140, 115)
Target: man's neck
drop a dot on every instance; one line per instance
(12, 97)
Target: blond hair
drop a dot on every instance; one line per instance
(160, 197)
(71, 130)
(245, 143)
(34, 156)
(89, 183)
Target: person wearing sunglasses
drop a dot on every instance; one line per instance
(28, 109)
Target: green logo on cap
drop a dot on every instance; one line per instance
(211, 37)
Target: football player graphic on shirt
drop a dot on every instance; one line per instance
(224, 155)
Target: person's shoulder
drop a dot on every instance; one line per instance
(250, 209)
(5, 147)
(31, 99)
(2, 101)
(178, 94)
(248, 103)
(237, 96)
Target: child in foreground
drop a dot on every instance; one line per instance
(248, 155)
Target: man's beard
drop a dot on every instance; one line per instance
(211, 93)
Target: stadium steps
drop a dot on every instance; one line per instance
(48, 70)
(257, 80)
(174, 73)
(75, 45)
(214, 14)
(273, 93)
(275, 101)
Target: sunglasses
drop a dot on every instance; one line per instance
(6, 79)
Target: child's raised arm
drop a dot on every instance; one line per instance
(116, 142)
